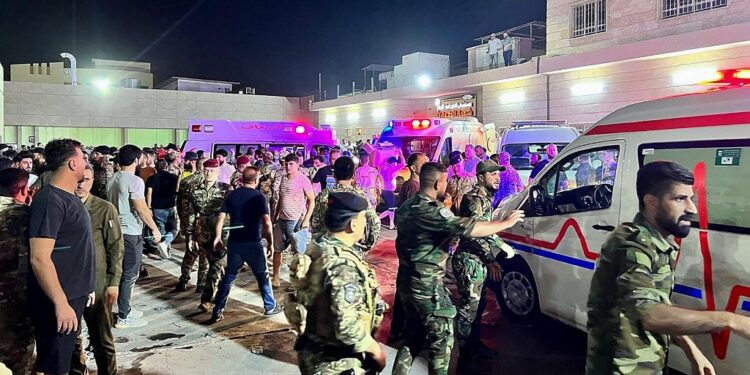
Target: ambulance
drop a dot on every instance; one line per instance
(237, 137)
(525, 138)
(435, 137)
(590, 188)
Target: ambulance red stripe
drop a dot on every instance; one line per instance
(722, 119)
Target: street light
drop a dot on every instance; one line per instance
(424, 81)
(102, 84)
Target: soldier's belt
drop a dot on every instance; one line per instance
(305, 343)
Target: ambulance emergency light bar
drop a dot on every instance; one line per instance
(195, 128)
(415, 124)
(729, 77)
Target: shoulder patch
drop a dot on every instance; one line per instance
(446, 213)
(350, 291)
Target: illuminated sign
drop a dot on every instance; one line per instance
(461, 106)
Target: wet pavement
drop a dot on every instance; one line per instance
(178, 339)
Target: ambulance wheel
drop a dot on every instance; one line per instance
(517, 293)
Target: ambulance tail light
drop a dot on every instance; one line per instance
(195, 128)
(743, 74)
(299, 129)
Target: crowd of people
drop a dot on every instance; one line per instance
(75, 223)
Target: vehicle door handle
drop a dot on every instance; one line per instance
(607, 228)
(527, 225)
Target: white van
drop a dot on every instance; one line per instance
(573, 205)
(525, 138)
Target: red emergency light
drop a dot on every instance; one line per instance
(420, 124)
(730, 77)
(299, 129)
(195, 128)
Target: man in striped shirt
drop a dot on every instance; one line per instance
(293, 211)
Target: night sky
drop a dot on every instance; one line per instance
(276, 46)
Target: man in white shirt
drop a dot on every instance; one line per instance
(226, 170)
(493, 49)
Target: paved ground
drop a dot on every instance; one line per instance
(178, 340)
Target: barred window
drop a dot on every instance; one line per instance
(590, 18)
(674, 8)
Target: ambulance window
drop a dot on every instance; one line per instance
(446, 150)
(581, 182)
(251, 147)
(723, 167)
(230, 149)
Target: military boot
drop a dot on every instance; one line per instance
(181, 286)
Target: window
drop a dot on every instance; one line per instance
(581, 182)
(520, 154)
(426, 145)
(674, 8)
(447, 148)
(727, 177)
(589, 18)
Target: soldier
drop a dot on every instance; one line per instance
(103, 171)
(236, 180)
(17, 344)
(206, 200)
(631, 320)
(268, 172)
(425, 228)
(187, 222)
(337, 307)
(343, 172)
(475, 257)
(459, 182)
(109, 248)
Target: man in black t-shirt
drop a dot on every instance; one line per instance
(161, 195)
(324, 175)
(62, 258)
(250, 222)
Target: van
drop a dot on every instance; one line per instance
(590, 188)
(237, 137)
(435, 137)
(525, 138)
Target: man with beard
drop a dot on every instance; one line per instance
(475, 257)
(425, 229)
(631, 320)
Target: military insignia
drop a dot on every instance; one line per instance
(446, 213)
(350, 290)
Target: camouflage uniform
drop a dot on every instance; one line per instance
(187, 222)
(268, 173)
(458, 186)
(17, 344)
(634, 273)
(236, 180)
(337, 308)
(317, 220)
(425, 229)
(206, 202)
(470, 261)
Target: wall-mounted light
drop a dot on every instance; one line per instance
(587, 88)
(512, 97)
(693, 76)
(378, 112)
(352, 116)
(101, 84)
(330, 118)
(424, 81)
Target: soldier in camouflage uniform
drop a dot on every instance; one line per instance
(17, 343)
(459, 182)
(476, 256)
(268, 173)
(186, 215)
(343, 172)
(206, 200)
(243, 161)
(425, 229)
(630, 315)
(337, 308)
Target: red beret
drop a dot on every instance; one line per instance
(211, 163)
(243, 160)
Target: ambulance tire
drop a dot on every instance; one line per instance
(516, 292)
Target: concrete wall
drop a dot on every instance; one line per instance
(633, 20)
(55, 74)
(119, 115)
(361, 122)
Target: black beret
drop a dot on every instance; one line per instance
(190, 155)
(455, 157)
(341, 207)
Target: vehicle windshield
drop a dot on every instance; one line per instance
(520, 154)
(426, 145)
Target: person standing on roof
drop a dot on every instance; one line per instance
(493, 49)
(507, 49)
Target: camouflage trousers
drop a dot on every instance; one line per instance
(193, 252)
(428, 327)
(204, 236)
(17, 344)
(313, 363)
(470, 274)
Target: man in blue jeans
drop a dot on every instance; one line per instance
(161, 195)
(249, 223)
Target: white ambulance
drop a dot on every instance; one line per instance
(583, 194)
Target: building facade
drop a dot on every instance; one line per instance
(39, 112)
(581, 79)
(113, 73)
